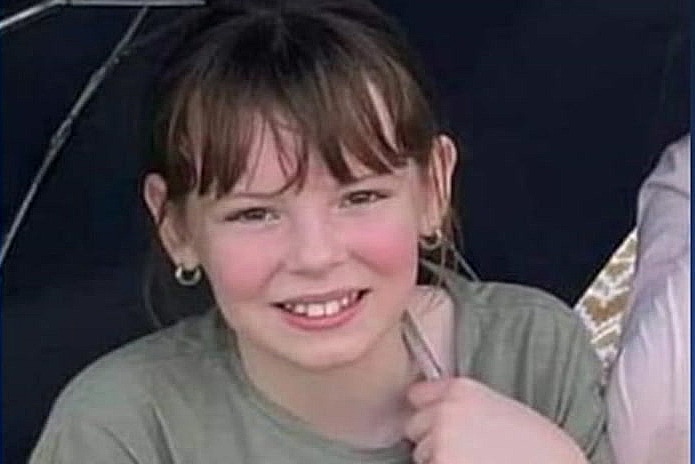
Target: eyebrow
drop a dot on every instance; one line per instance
(254, 195)
(274, 194)
(366, 177)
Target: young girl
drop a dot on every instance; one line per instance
(304, 180)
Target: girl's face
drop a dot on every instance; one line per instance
(313, 276)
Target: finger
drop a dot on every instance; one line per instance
(423, 451)
(419, 425)
(423, 393)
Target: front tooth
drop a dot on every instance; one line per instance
(315, 310)
(299, 309)
(332, 307)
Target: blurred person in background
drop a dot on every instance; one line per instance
(648, 395)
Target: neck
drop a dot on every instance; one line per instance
(362, 403)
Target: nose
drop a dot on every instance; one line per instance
(316, 246)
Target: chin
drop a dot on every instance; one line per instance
(327, 358)
(333, 357)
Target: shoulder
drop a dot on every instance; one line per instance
(488, 301)
(499, 306)
(157, 399)
(530, 323)
(663, 208)
(127, 378)
(523, 340)
(672, 171)
(122, 407)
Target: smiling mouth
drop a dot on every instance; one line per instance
(318, 309)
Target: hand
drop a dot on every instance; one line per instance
(461, 421)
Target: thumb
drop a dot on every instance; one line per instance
(423, 393)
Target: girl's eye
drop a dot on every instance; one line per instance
(363, 197)
(252, 215)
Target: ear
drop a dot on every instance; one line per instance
(171, 225)
(437, 184)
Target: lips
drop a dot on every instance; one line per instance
(321, 305)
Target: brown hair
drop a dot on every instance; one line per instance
(313, 67)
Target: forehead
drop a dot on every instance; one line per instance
(277, 160)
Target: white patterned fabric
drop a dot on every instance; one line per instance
(603, 305)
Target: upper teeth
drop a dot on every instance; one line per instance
(327, 308)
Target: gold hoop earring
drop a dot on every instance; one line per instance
(188, 277)
(432, 242)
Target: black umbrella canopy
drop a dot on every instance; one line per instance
(542, 97)
(73, 276)
(560, 107)
(84, 111)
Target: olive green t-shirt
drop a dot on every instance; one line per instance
(180, 395)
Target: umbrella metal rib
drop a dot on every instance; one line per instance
(63, 132)
(123, 47)
(26, 14)
(131, 3)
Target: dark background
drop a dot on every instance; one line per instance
(560, 108)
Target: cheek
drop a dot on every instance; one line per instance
(387, 243)
(238, 269)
